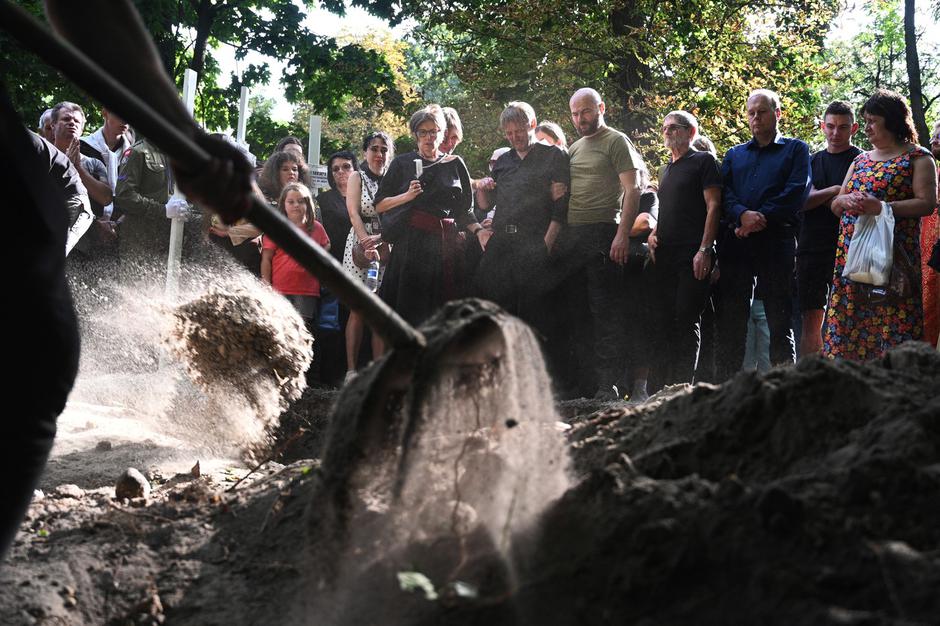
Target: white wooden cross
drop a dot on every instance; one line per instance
(177, 223)
(318, 179)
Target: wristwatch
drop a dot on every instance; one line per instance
(708, 250)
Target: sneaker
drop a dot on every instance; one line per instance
(350, 374)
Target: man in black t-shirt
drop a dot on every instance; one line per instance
(819, 232)
(682, 245)
(514, 269)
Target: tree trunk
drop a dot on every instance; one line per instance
(205, 16)
(913, 74)
(633, 80)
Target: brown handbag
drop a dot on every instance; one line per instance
(900, 282)
(362, 261)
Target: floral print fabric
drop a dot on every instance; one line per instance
(854, 329)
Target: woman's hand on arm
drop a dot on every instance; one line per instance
(414, 190)
(266, 257)
(354, 206)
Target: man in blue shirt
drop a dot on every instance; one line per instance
(766, 181)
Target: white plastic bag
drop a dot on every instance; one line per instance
(871, 250)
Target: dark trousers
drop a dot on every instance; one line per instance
(769, 258)
(638, 347)
(308, 307)
(679, 299)
(46, 345)
(514, 272)
(24, 460)
(585, 251)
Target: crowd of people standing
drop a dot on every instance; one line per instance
(631, 279)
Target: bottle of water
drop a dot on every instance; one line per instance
(372, 276)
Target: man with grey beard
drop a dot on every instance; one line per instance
(682, 246)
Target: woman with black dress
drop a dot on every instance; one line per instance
(335, 220)
(332, 202)
(425, 200)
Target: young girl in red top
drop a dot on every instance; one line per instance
(285, 274)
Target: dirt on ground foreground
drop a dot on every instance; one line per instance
(805, 495)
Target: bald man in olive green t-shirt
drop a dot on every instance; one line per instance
(605, 197)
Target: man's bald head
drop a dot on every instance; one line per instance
(769, 97)
(587, 111)
(588, 95)
(763, 113)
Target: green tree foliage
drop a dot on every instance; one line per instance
(263, 132)
(345, 131)
(646, 56)
(187, 32)
(32, 85)
(319, 70)
(875, 59)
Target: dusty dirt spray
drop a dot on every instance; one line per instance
(436, 462)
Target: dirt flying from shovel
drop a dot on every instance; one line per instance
(247, 339)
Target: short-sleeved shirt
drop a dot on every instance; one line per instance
(99, 171)
(289, 277)
(96, 147)
(820, 229)
(523, 189)
(596, 164)
(682, 207)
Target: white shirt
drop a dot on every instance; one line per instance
(111, 158)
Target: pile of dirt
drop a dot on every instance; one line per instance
(244, 338)
(807, 495)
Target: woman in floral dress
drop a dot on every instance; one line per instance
(898, 172)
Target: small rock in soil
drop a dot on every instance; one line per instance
(103, 446)
(69, 491)
(131, 484)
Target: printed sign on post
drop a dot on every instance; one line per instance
(318, 177)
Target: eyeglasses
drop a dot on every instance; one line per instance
(423, 133)
(671, 128)
(345, 167)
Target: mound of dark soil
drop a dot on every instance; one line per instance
(808, 495)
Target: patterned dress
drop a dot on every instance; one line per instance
(370, 219)
(929, 233)
(859, 331)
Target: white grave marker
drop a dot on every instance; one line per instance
(177, 223)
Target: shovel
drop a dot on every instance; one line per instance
(89, 76)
